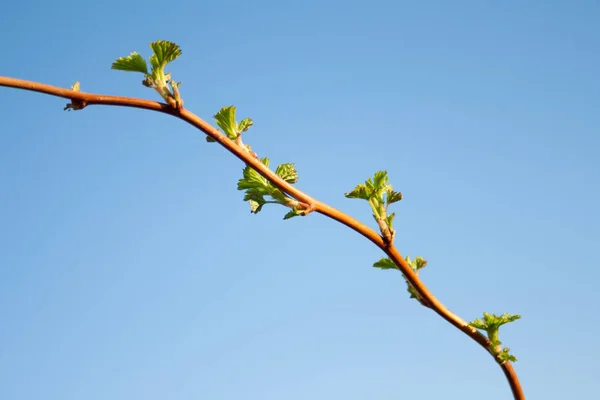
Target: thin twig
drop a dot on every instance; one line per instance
(431, 301)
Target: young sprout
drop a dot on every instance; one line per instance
(491, 323)
(380, 194)
(164, 52)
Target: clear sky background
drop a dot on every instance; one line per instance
(130, 268)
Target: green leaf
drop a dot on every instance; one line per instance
(256, 203)
(255, 195)
(360, 192)
(393, 197)
(294, 212)
(133, 62)
(411, 289)
(209, 139)
(380, 180)
(278, 195)
(389, 220)
(256, 187)
(290, 214)
(253, 180)
(506, 356)
(479, 324)
(371, 189)
(287, 172)
(245, 124)
(493, 321)
(164, 53)
(416, 264)
(385, 263)
(225, 118)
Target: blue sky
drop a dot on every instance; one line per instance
(130, 267)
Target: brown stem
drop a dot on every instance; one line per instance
(313, 205)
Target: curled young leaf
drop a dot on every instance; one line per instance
(371, 189)
(380, 180)
(164, 53)
(385, 263)
(245, 124)
(252, 179)
(493, 321)
(393, 197)
(359, 192)
(294, 212)
(389, 220)
(225, 118)
(133, 63)
(416, 264)
(505, 355)
(257, 187)
(287, 172)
